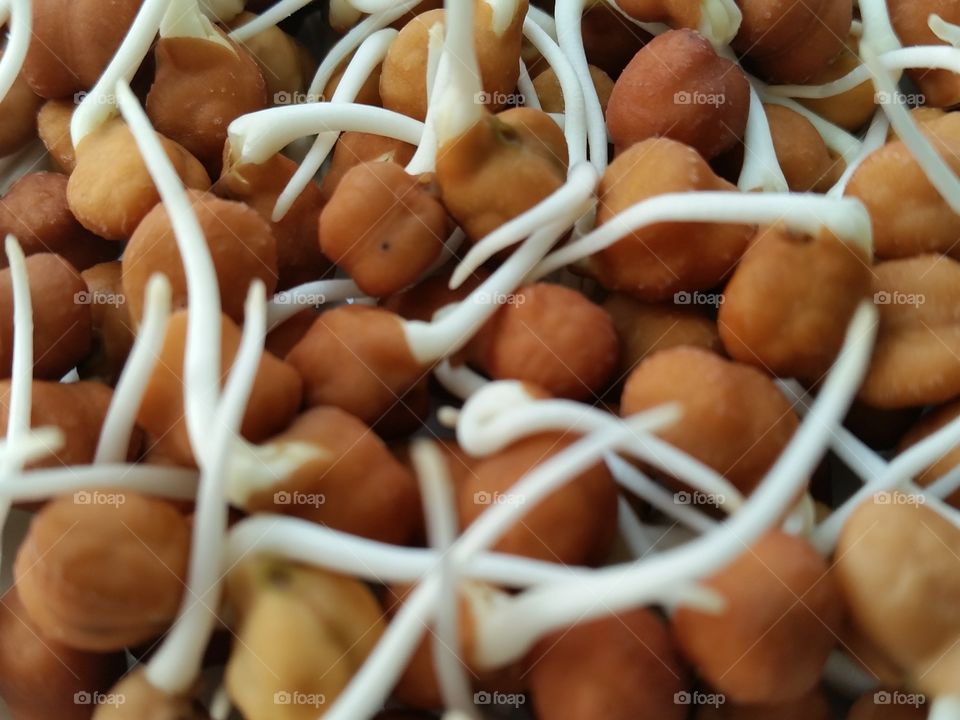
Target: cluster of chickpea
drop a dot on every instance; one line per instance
(543, 397)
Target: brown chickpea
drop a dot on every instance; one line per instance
(788, 42)
(678, 87)
(890, 179)
(354, 148)
(735, 420)
(199, 88)
(940, 88)
(676, 13)
(78, 409)
(896, 564)
(770, 643)
(854, 108)
(53, 126)
(812, 706)
(301, 630)
(274, 398)
(99, 576)
(41, 678)
(73, 41)
(788, 304)
(550, 93)
(144, 701)
(61, 318)
(286, 65)
(575, 525)
(501, 167)
(113, 328)
(644, 329)
(925, 426)
(656, 262)
(110, 190)
(365, 490)
(383, 227)
(620, 667)
(421, 301)
(867, 708)
(357, 358)
(299, 258)
(403, 81)
(18, 116)
(609, 40)
(284, 336)
(914, 358)
(551, 336)
(807, 164)
(35, 210)
(241, 245)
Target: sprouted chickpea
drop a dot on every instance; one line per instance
(383, 227)
(101, 576)
(61, 319)
(141, 699)
(678, 87)
(110, 190)
(18, 111)
(368, 93)
(609, 42)
(734, 420)
(285, 63)
(852, 109)
(766, 646)
(113, 328)
(53, 127)
(772, 318)
(551, 95)
(626, 664)
(910, 20)
(354, 148)
(301, 630)
(807, 164)
(240, 242)
(655, 263)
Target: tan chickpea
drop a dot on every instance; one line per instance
(403, 84)
(282, 338)
(144, 701)
(766, 646)
(807, 164)
(574, 525)
(867, 708)
(550, 93)
(896, 563)
(788, 42)
(678, 87)
(734, 418)
(501, 167)
(53, 126)
(113, 328)
(357, 358)
(850, 110)
(110, 190)
(35, 210)
(656, 262)
(421, 301)
(940, 88)
(788, 304)
(645, 328)
(366, 491)
(100, 577)
(383, 226)
(274, 399)
(18, 116)
(925, 426)
(40, 678)
(61, 318)
(241, 245)
(73, 40)
(286, 65)
(609, 41)
(301, 630)
(625, 666)
(551, 336)
(78, 409)
(914, 358)
(354, 148)
(812, 706)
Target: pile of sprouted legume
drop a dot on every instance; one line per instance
(481, 358)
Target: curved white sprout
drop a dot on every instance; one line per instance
(526, 88)
(275, 14)
(457, 109)
(438, 75)
(946, 31)
(835, 137)
(21, 26)
(125, 404)
(186, 19)
(288, 303)
(877, 27)
(761, 169)
(720, 21)
(874, 139)
(458, 380)
(37, 485)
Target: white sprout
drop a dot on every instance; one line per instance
(288, 303)
(874, 139)
(946, 31)
(761, 169)
(21, 26)
(456, 107)
(160, 480)
(185, 19)
(275, 14)
(438, 75)
(526, 88)
(459, 380)
(719, 21)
